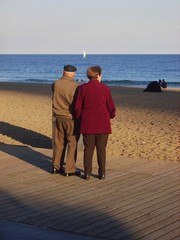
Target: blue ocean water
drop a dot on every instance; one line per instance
(118, 70)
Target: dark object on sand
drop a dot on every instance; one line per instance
(153, 87)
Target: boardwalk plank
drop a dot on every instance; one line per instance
(166, 233)
(158, 224)
(127, 217)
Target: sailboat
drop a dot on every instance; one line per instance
(84, 54)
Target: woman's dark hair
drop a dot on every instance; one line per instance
(93, 72)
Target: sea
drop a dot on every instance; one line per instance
(136, 70)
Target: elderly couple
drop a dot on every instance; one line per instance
(87, 110)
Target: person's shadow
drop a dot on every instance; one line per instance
(26, 153)
(25, 136)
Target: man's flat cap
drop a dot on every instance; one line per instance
(70, 68)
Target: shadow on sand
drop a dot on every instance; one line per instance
(25, 136)
(28, 155)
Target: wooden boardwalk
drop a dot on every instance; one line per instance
(139, 199)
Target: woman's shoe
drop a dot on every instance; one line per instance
(102, 176)
(86, 177)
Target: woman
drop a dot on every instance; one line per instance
(94, 107)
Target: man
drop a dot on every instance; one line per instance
(66, 130)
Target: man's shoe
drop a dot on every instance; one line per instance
(55, 171)
(61, 171)
(76, 173)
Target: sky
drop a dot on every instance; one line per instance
(96, 26)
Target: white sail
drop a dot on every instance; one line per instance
(84, 54)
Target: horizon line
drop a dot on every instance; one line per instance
(90, 53)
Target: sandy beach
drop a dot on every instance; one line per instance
(146, 124)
